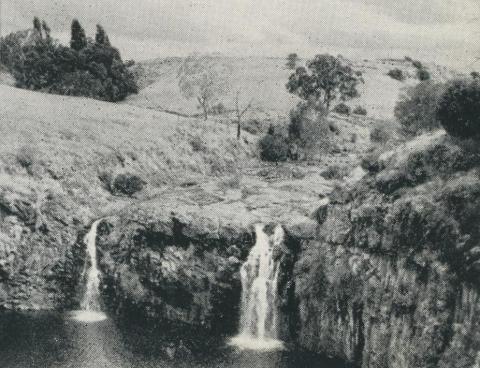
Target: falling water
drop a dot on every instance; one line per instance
(259, 314)
(91, 310)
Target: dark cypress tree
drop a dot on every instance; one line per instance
(101, 37)
(79, 39)
(46, 29)
(37, 25)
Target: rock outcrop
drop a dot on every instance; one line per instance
(41, 250)
(393, 276)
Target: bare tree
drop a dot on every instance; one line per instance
(205, 78)
(240, 112)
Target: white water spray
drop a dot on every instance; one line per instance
(259, 312)
(91, 310)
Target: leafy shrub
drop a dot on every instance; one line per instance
(360, 110)
(371, 163)
(416, 110)
(218, 109)
(396, 74)
(127, 184)
(26, 157)
(334, 172)
(423, 75)
(198, 144)
(333, 127)
(273, 147)
(342, 109)
(459, 109)
(308, 130)
(380, 134)
(91, 69)
(475, 75)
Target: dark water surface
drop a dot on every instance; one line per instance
(54, 340)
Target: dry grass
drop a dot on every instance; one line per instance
(75, 140)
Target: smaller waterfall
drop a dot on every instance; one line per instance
(91, 310)
(259, 312)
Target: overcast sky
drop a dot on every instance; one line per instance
(442, 30)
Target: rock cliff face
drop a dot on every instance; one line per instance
(393, 277)
(174, 268)
(386, 275)
(181, 264)
(41, 251)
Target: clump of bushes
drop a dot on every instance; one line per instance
(342, 109)
(26, 157)
(360, 110)
(416, 109)
(459, 109)
(334, 172)
(218, 109)
(127, 184)
(274, 147)
(396, 74)
(371, 162)
(423, 75)
(380, 134)
(198, 144)
(89, 68)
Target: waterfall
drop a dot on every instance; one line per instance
(259, 312)
(91, 310)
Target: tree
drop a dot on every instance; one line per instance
(37, 25)
(79, 39)
(308, 131)
(459, 109)
(273, 147)
(324, 80)
(95, 70)
(240, 112)
(203, 77)
(475, 75)
(101, 37)
(292, 60)
(46, 29)
(416, 109)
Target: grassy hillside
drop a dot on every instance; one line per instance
(49, 141)
(69, 149)
(74, 147)
(264, 79)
